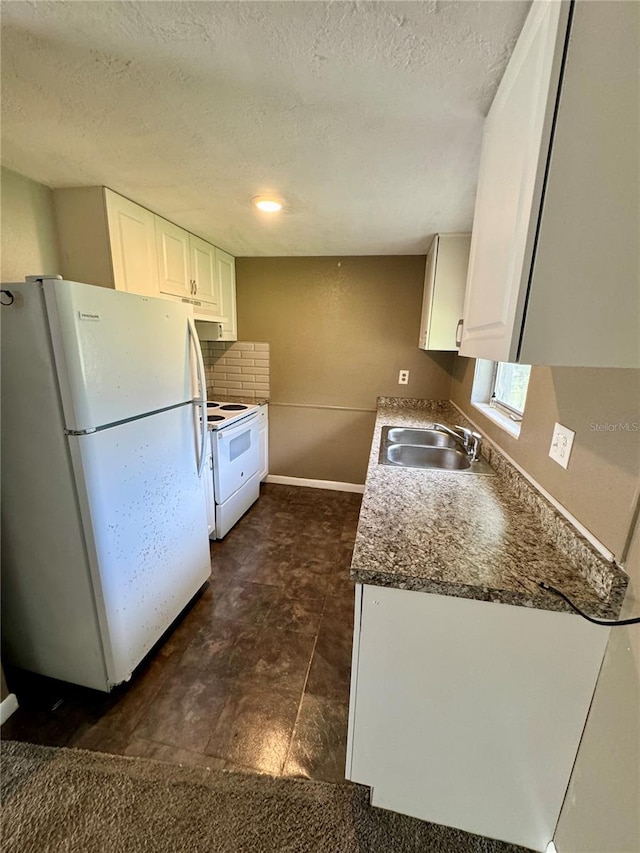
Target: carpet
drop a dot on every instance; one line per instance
(72, 800)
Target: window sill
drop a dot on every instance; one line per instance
(500, 419)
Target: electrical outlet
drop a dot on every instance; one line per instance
(403, 377)
(561, 444)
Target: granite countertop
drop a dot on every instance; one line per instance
(487, 537)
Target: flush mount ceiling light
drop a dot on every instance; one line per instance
(268, 205)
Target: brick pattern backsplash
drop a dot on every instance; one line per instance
(236, 368)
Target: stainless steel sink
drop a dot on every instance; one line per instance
(427, 448)
(414, 456)
(421, 437)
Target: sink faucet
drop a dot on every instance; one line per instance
(469, 439)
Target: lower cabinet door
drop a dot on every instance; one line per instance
(469, 713)
(263, 420)
(207, 483)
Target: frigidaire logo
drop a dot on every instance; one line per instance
(85, 315)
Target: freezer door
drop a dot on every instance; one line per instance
(146, 527)
(118, 355)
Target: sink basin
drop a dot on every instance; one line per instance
(415, 456)
(421, 437)
(432, 449)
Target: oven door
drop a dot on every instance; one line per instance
(236, 456)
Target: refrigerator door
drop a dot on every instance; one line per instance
(146, 528)
(50, 623)
(118, 355)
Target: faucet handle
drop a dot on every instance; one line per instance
(476, 441)
(466, 435)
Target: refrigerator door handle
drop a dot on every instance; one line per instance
(202, 401)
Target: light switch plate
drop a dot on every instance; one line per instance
(561, 444)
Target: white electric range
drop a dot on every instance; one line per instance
(220, 415)
(235, 451)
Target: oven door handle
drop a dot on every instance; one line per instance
(227, 433)
(202, 400)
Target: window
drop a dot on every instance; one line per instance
(509, 389)
(500, 392)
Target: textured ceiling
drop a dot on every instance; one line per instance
(366, 117)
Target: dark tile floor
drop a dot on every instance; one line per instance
(255, 675)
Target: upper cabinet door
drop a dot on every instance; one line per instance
(204, 274)
(226, 267)
(133, 245)
(514, 155)
(173, 259)
(444, 287)
(427, 294)
(583, 308)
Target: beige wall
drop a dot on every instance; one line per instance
(340, 329)
(29, 241)
(599, 485)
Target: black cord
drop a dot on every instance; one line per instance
(610, 622)
(10, 295)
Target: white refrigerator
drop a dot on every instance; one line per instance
(104, 528)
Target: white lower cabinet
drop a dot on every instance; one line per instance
(263, 419)
(469, 713)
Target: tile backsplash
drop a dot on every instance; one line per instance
(237, 368)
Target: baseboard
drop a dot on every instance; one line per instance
(333, 485)
(8, 705)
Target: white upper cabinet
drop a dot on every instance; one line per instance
(187, 267)
(226, 270)
(174, 266)
(204, 276)
(514, 151)
(106, 239)
(554, 266)
(444, 286)
(133, 254)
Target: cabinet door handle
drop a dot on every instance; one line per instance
(459, 328)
